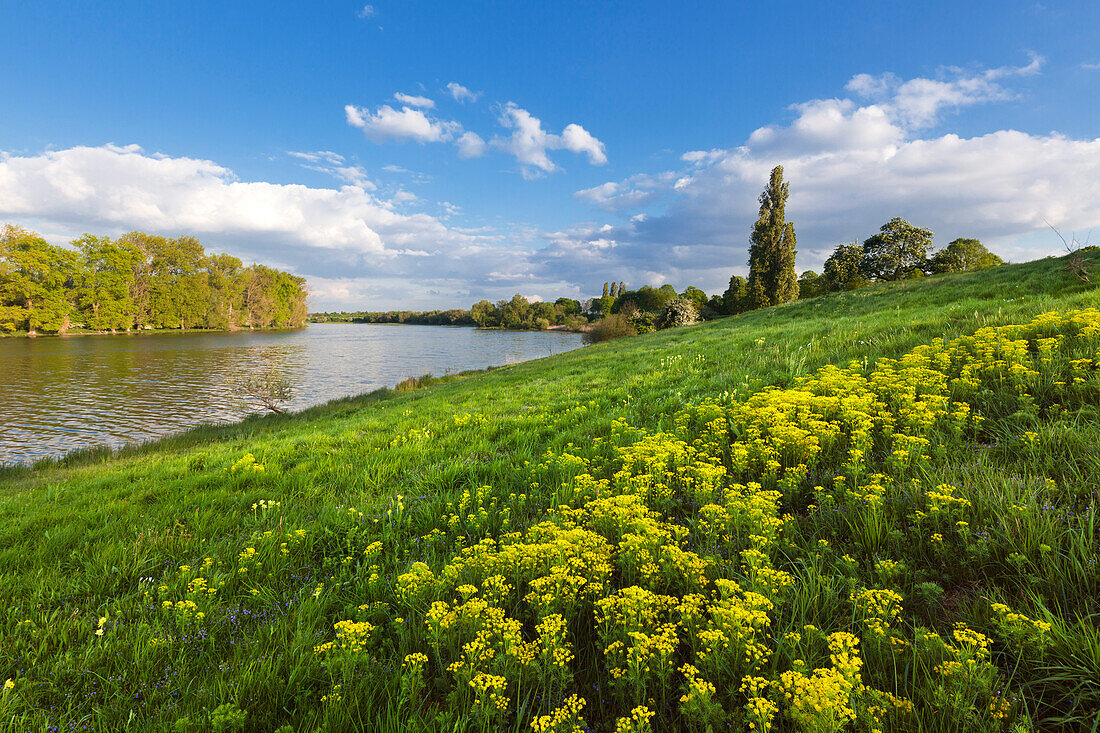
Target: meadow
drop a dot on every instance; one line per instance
(868, 511)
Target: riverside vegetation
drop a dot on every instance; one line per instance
(138, 281)
(873, 510)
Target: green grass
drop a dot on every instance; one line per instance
(99, 534)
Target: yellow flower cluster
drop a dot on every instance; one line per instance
(246, 465)
(565, 719)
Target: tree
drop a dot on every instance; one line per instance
(103, 282)
(898, 248)
(772, 279)
(679, 312)
(605, 291)
(484, 314)
(810, 285)
(35, 282)
(569, 307)
(962, 255)
(695, 295)
(844, 268)
(223, 288)
(735, 299)
(622, 288)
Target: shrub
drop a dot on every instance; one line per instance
(614, 326)
(679, 312)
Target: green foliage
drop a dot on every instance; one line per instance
(612, 326)
(696, 296)
(35, 279)
(678, 312)
(646, 298)
(963, 255)
(844, 269)
(736, 298)
(138, 281)
(772, 279)
(896, 251)
(810, 285)
(639, 445)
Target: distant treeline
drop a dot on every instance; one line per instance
(138, 281)
(517, 313)
(452, 317)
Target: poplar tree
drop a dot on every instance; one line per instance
(772, 279)
(605, 286)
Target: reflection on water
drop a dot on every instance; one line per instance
(57, 394)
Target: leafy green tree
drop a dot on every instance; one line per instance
(605, 290)
(772, 279)
(696, 296)
(962, 255)
(735, 299)
(223, 292)
(35, 282)
(896, 250)
(810, 285)
(485, 314)
(103, 282)
(647, 299)
(844, 268)
(569, 306)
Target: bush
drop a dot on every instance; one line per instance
(679, 312)
(614, 326)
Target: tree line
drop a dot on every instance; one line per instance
(138, 281)
(898, 251)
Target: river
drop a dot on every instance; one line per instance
(62, 393)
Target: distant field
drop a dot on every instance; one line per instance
(874, 510)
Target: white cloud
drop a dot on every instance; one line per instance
(917, 103)
(386, 123)
(461, 93)
(1091, 67)
(470, 145)
(635, 192)
(529, 143)
(414, 101)
(851, 167)
(578, 140)
(367, 11)
(358, 250)
(333, 164)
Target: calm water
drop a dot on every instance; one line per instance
(57, 394)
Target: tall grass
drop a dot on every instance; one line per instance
(309, 529)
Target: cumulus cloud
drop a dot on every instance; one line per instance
(414, 101)
(410, 123)
(367, 11)
(917, 103)
(852, 165)
(470, 145)
(529, 143)
(461, 93)
(357, 249)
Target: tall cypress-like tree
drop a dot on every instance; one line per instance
(772, 279)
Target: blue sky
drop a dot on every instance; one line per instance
(415, 154)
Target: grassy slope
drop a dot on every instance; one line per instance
(75, 541)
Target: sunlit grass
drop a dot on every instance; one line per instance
(353, 494)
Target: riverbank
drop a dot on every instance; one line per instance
(145, 331)
(636, 527)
